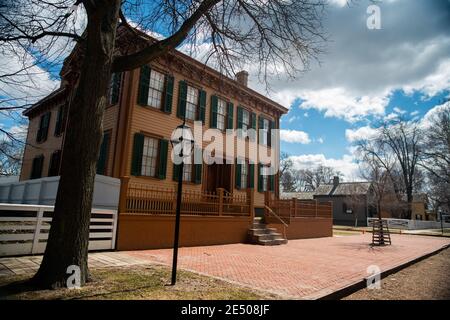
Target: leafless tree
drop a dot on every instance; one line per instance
(281, 36)
(400, 140)
(436, 157)
(312, 178)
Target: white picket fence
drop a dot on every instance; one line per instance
(24, 229)
(411, 224)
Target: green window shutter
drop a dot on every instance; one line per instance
(176, 171)
(168, 100)
(269, 138)
(260, 179)
(253, 120)
(43, 127)
(251, 175)
(162, 162)
(237, 171)
(103, 156)
(202, 106)
(115, 87)
(144, 82)
(239, 118)
(182, 94)
(213, 115)
(230, 111)
(136, 162)
(260, 126)
(272, 182)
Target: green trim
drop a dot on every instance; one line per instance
(213, 116)
(182, 95)
(138, 147)
(162, 161)
(144, 82)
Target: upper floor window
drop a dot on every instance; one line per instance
(60, 120)
(246, 120)
(191, 103)
(221, 113)
(187, 170)
(264, 126)
(36, 168)
(44, 124)
(114, 87)
(155, 89)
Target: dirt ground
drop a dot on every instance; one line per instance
(146, 283)
(426, 280)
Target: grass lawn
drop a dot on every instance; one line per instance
(140, 282)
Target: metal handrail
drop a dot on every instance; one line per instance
(278, 217)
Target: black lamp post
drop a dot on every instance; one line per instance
(182, 140)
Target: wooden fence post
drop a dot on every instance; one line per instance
(220, 192)
(124, 182)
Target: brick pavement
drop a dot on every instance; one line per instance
(302, 269)
(306, 269)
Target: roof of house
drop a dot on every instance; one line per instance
(297, 195)
(192, 61)
(343, 189)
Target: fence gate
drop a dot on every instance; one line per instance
(24, 229)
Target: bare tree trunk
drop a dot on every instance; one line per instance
(69, 234)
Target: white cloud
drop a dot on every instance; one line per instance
(294, 136)
(414, 113)
(345, 165)
(432, 113)
(360, 134)
(338, 102)
(390, 116)
(399, 110)
(320, 140)
(292, 119)
(306, 114)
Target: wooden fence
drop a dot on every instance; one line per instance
(24, 229)
(150, 200)
(294, 208)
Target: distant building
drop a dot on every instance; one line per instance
(350, 201)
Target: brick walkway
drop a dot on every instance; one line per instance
(306, 269)
(30, 264)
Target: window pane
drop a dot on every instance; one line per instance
(156, 89)
(244, 175)
(191, 103)
(149, 157)
(221, 112)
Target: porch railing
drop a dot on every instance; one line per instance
(149, 200)
(295, 208)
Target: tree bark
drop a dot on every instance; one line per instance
(69, 234)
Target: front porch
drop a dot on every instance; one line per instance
(146, 217)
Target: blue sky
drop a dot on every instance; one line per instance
(364, 76)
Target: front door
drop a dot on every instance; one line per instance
(218, 176)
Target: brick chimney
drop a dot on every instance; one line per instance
(335, 181)
(242, 78)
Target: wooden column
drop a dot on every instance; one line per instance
(124, 182)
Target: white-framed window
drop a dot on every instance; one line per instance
(187, 170)
(221, 113)
(244, 174)
(155, 89)
(264, 132)
(245, 120)
(149, 157)
(191, 103)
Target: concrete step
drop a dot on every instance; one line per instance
(262, 231)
